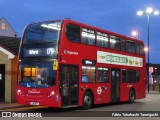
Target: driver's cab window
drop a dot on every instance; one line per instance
(37, 74)
(41, 76)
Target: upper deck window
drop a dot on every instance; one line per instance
(123, 45)
(139, 48)
(42, 32)
(73, 33)
(88, 36)
(114, 43)
(130, 46)
(102, 39)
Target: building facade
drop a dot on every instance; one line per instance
(154, 70)
(6, 29)
(6, 73)
(9, 46)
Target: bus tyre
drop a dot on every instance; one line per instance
(131, 96)
(87, 100)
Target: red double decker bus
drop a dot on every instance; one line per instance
(64, 63)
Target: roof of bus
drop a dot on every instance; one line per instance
(68, 20)
(102, 30)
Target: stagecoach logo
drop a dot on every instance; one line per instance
(70, 52)
(33, 91)
(99, 90)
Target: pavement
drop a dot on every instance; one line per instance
(152, 92)
(4, 105)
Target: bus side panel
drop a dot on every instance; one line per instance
(124, 92)
(101, 93)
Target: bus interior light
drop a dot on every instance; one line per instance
(51, 27)
(83, 67)
(100, 68)
(93, 68)
(105, 68)
(102, 38)
(112, 41)
(88, 35)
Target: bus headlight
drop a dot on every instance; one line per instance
(51, 94)
(19, 92)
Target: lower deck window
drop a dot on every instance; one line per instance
(124, 79)
(88, 74)
(103, 74)
(133, 76)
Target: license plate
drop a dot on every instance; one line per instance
(34, 103)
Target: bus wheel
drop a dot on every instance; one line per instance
(87, 100)
(131, 96)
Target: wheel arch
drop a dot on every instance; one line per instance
(89, 90)
(133, 89)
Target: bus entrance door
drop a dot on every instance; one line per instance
(68, 83)
(115, 85)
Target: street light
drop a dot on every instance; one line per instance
(135, 34)
(149, 11)
(146, 49)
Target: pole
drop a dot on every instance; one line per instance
(159, 87)
(148, 49)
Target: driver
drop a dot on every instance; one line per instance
(42, 78)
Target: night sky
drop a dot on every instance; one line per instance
(115, 15)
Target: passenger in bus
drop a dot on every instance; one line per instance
(103, 77)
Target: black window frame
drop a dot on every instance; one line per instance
(125, 48)
(138, 77)
(124, 76)
(128, 48)
(141, 48)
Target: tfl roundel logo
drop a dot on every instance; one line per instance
(99, 90)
